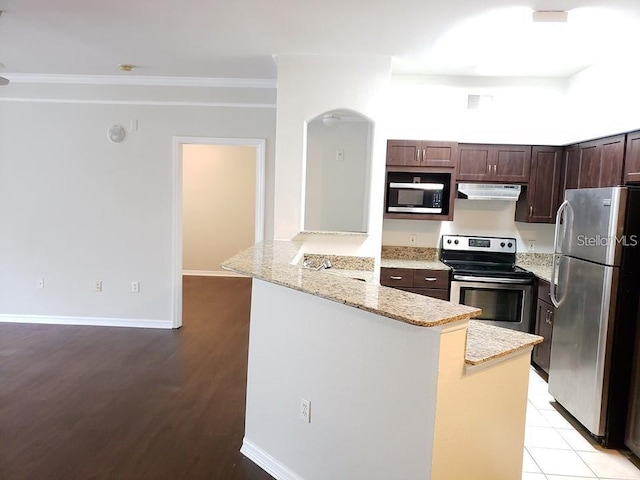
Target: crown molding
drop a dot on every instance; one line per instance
(142, 80)
(157, 103)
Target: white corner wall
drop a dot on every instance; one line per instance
(309, 85)
(219, 189)
(77, 208)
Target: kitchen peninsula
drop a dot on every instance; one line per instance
(348, 379)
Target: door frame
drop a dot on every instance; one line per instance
(178, 161)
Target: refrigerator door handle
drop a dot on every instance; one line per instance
(556, 253)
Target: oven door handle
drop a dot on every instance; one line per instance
(512, 281)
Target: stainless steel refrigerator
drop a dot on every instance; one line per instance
(597, 263)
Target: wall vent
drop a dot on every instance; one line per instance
(479, 102)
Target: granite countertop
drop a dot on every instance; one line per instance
(413, 264)
(277, 262)
(486, 342)
(415, 258)
(537, 263)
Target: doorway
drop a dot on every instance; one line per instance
(210, 219)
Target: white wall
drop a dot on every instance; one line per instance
(76, 208)
(335, 189)
(604, 100)
(309, 85)
(524, 110)
(371, 382)
(219, 189)
(472, 217)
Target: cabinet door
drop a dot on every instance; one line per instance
(611, 161)
(571, 168)
(404, 152)
(632, 159)
(589, 165)
(544, 184)
(544, 328)
(439, 154)
(475, 163)
(512, 163)
(601, 162)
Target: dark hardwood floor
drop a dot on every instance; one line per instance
(121, 403)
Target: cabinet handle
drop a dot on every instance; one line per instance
(430, 279)
(395, 278)
(418, 155)
(489, 169)
(548, 318)
(495, 167)
(531, 210)
(424, 155)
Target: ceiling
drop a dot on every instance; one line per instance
(237, 39)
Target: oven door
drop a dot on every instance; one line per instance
(504, 302)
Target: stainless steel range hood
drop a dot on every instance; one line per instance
(488, 191)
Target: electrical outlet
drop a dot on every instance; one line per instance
(135, 287)
(532, 245)
(97, 287)
(40, 283)
(340, 155)
(305, 410)
(413, 239)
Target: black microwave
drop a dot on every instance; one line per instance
(418, 193)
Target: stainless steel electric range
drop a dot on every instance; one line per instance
(485, 276)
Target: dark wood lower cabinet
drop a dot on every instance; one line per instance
(432, 283)
(545, 313)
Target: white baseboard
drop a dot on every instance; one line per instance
(91, 321)
(267, 462)
(212, 273)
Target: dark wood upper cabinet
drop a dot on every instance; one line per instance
(474, 162)
(421, 153)
(612, 161)
(571, 167)
(594, 164)
(632, 158)
(538, 203)
(590, 153)
(494, 163)
(512, 163)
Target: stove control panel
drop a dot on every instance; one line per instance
(479, 244)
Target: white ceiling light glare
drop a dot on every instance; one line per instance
(117, 133)
(518, 41)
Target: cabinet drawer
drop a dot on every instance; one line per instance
(440, 293)
(431, 279)
(396, 277)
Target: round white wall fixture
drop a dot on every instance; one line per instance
(117, 133)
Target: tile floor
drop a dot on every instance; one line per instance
(557, 448)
